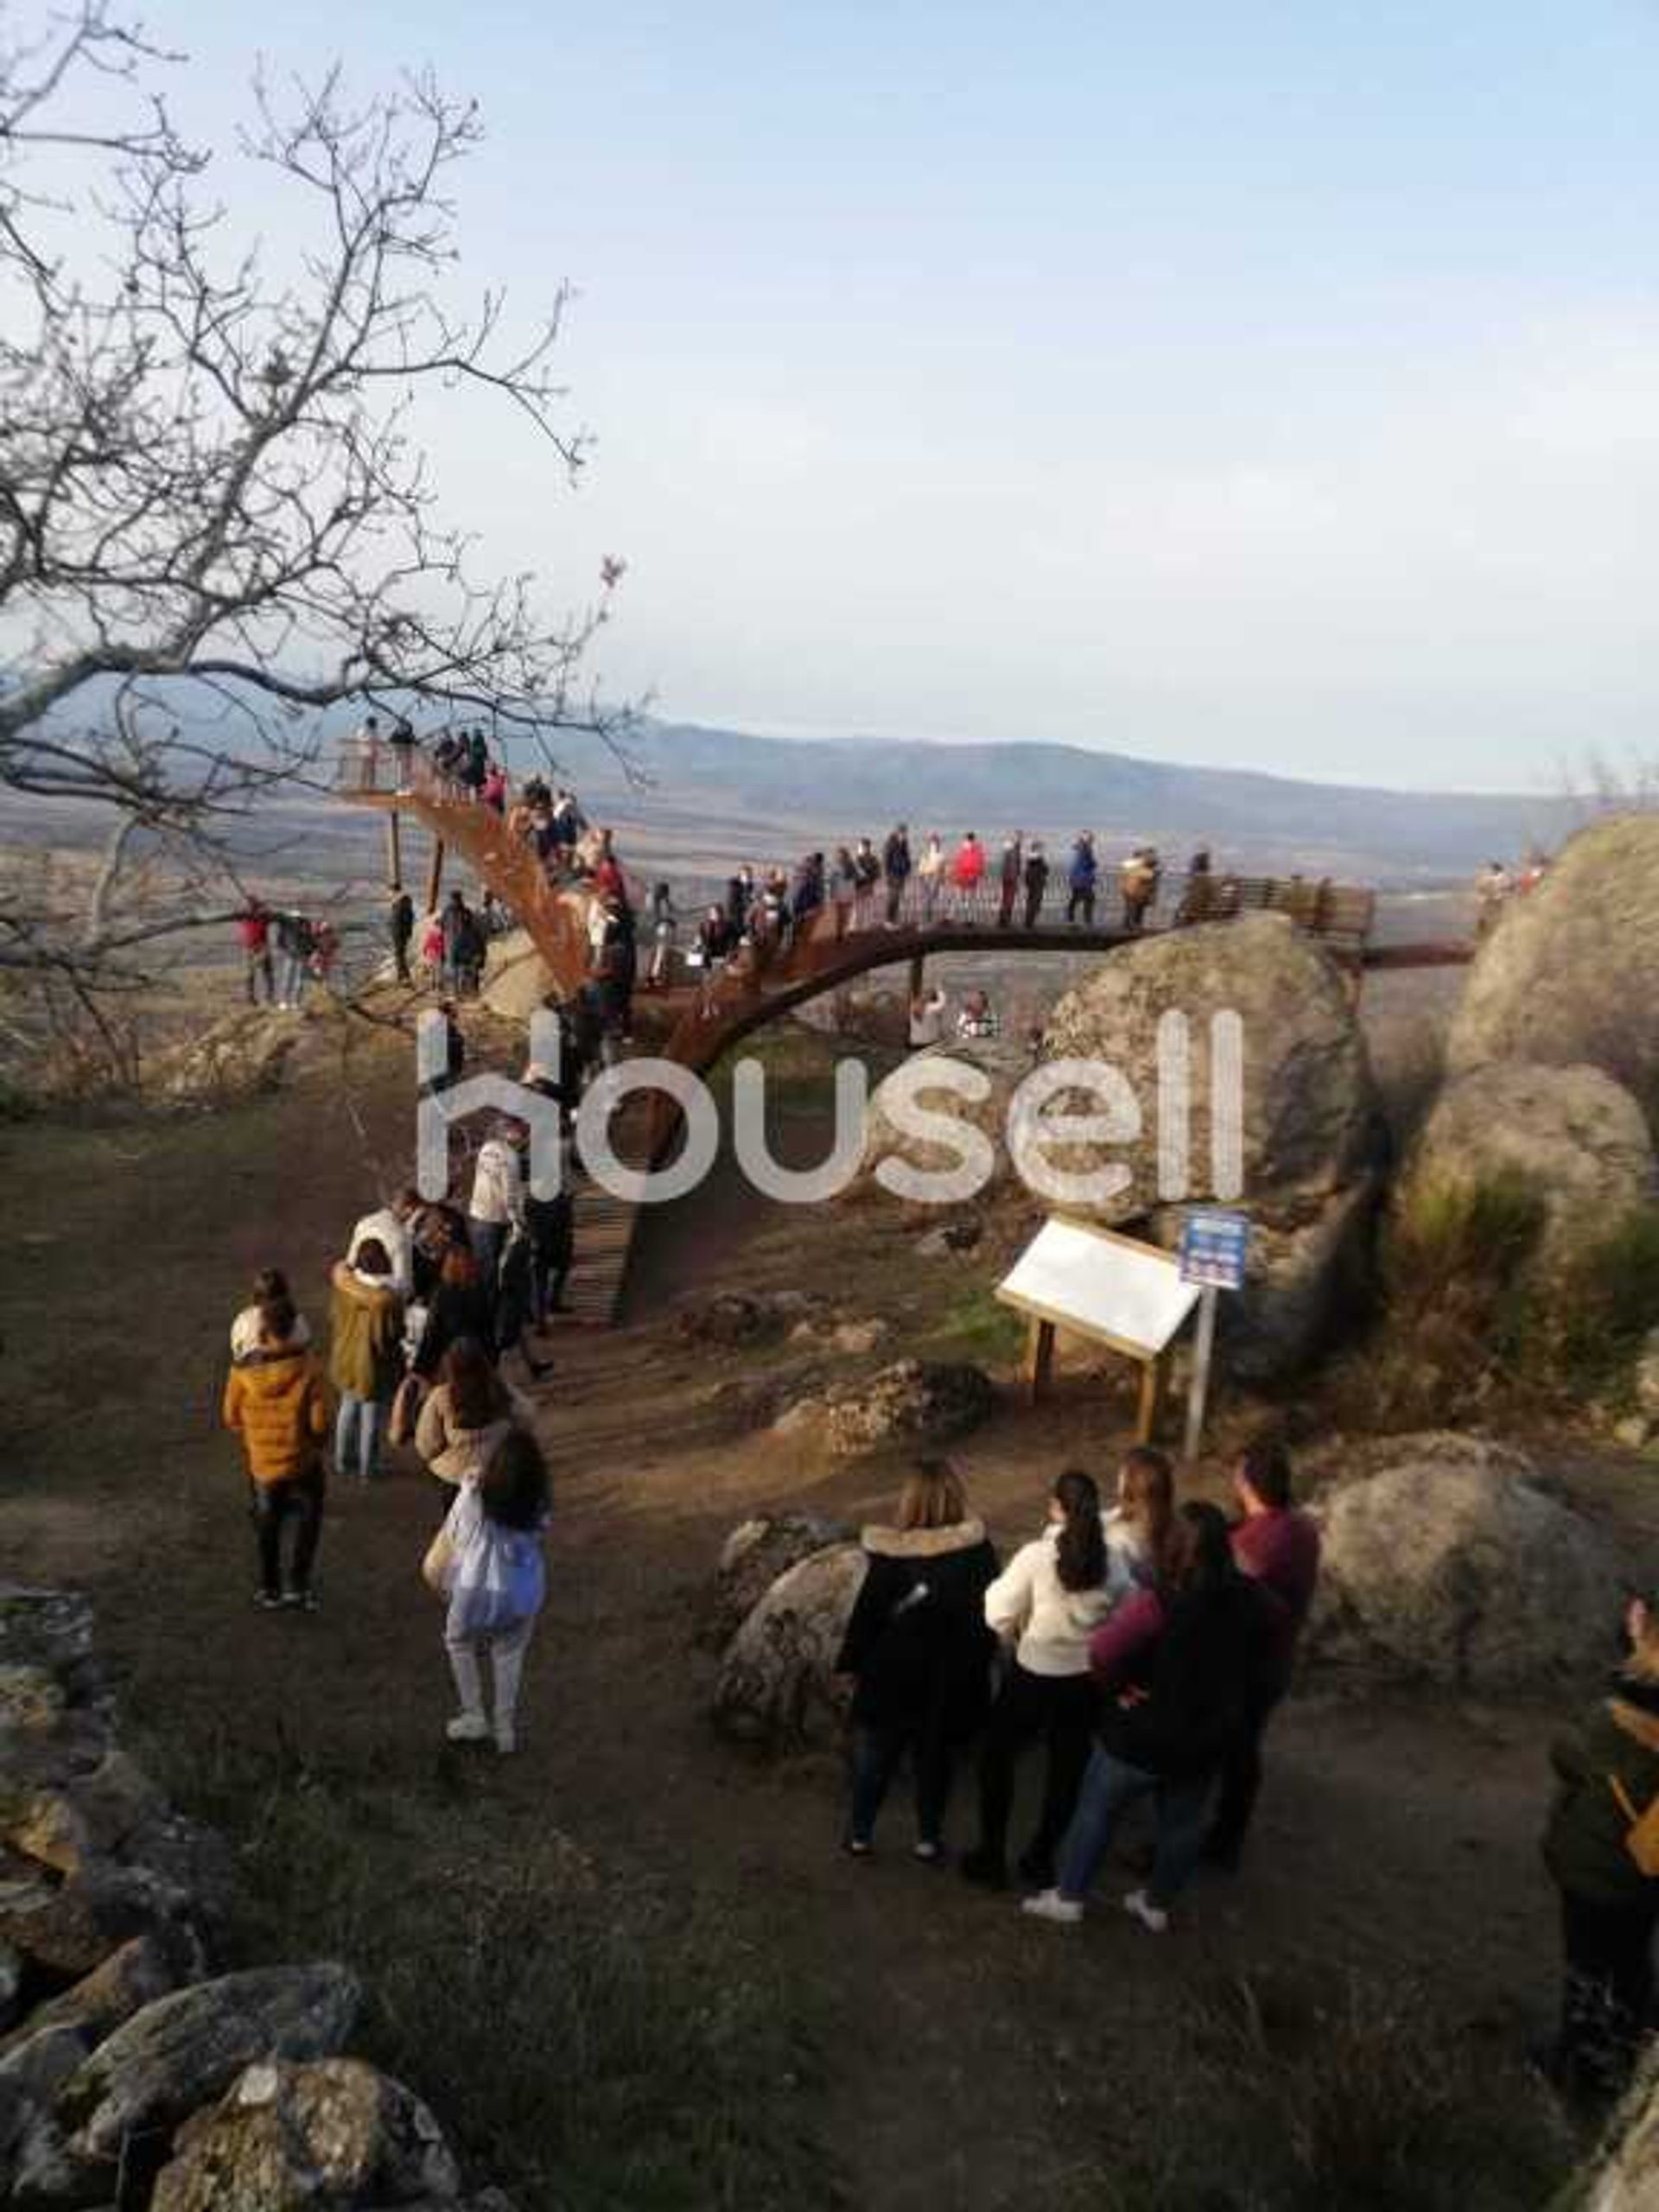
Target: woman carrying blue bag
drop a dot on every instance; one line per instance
(486, 1560)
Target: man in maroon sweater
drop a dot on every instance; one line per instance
(1279, 1547)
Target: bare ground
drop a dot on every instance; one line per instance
(964, 2058)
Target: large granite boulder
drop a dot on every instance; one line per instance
(1569, 1135)
(753, 1557)
(900, 1139)
(332, 2134)
(1452, 1563)
(1310, 1122)
(777, 1687)
(1565, 977)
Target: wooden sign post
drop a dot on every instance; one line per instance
(1215, 1248)
(1094, 1283)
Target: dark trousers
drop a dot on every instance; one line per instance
(1005, 905)
(1241, 1780)
(299, 1499)
(877, 1753)
(1033, 904)
(895, 899)
(1607, 1994)
(1059, 1710)
(260, 970)
(1082, 901)
(400, 954)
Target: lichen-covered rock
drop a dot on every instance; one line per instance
(753, 1557)
(1451, 1563)
(1570, 1134)
(1561, 981)
(734, 1316)
(49, 1629)
(169, 2059)
(1310, 1122)
(32, 1701)
(777, 1686)
(135, 1975)
(1623, 2176)
(336, 2133)
(914, 1402)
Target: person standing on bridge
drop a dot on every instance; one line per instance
(1083, 881)
(968, 873)
(664, 923)
(403, 754)
(1008, 875)
(1036, 881)
(844, 889)
(931, 872)
(867, 872)
(895, 867)
(400, 927)
(806, 895)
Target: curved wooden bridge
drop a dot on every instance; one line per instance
(705, 1016)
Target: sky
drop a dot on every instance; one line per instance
(1263, 385)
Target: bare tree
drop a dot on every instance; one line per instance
(217, 520)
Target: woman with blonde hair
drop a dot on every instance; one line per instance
(919, 1653)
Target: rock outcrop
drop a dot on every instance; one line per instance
(1451, 1563)
(753, 1557)
(1571, 1135)
(1559, 981)
(121, 2053)
(914, 1402)
(777, 1686)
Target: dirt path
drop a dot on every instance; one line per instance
(968, 2059)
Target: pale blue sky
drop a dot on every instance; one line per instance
(1271, 386)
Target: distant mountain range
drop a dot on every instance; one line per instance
(715, 796)
(840, 787)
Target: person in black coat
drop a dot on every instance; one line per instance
(919, 1653)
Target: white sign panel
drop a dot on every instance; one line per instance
(1109, 1287)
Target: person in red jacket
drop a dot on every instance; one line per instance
(1278, 1547)
(968, 871)
(253, 928)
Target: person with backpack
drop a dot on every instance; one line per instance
(1045, 1605)
(366, 1359)
(1174, 1666)
(1601, 1845)
(919, 1654)
(487, 1563)
(275, 1402)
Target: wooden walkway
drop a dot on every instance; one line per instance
(706, 1017)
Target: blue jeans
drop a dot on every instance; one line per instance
(876, 1756)
(1110, 1788)
(357, 1431)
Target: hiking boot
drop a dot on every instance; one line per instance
(1151, 1918)
(987, 1868)
(1049, 1905)
(468, 1728)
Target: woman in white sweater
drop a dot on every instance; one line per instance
(1052, 1596)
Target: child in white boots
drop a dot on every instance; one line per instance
(486, 1560)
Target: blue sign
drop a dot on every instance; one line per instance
(1214, 1246)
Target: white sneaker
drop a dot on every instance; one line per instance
(468, 1728)
(1049, 1905)
(1151, 1918)
(506, 1738)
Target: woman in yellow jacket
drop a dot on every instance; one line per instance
(277, 1402)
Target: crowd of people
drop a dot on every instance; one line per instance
(283, 950)
(427, 1305)
(1497, 887)
(1141, 1643)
